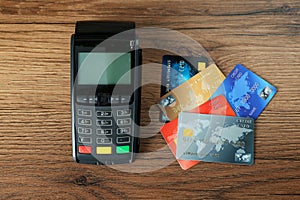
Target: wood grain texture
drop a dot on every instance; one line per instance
(35, 128)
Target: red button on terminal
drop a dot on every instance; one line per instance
(85, 149)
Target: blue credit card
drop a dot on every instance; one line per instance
(215, 138)
(176, 70)
(247, 93)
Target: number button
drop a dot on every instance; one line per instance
(123, 130)
(122, 140)
(104, 131)
(86, 113)
(82, 121)
(104, 122)
(122, 122)
(84, 139)
(124, 112)
(82, 130)
(104, 114)
(104, 140)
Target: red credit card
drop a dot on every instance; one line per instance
(217, 105)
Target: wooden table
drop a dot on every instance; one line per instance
(35, 134)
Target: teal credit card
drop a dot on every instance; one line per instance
(215, 138)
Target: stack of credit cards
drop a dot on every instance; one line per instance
(209, 117)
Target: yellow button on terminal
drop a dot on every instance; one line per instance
(103, 150)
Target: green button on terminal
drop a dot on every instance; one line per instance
(122, 149)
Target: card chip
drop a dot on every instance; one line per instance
(188, 132)
(201, 66)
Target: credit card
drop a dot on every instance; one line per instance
(247, 93)
(192, 93)
(215, 138)
(217, 105)
(176, 70)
